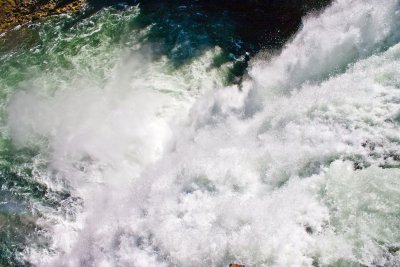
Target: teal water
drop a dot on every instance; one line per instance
(54, 54)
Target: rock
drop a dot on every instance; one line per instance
(14, 12)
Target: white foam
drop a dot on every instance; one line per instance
(262, 178)
(327, 44)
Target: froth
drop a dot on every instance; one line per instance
(266, 175)
(327, 44)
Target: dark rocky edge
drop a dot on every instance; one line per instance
(21, 12)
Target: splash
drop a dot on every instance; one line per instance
(297, 166)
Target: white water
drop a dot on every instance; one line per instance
(175, 170)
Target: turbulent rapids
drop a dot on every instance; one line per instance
(119, 149)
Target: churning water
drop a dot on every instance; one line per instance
(117, 153)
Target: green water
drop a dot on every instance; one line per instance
(55, 53)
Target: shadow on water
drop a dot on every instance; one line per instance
(183, 29)
(258, 24)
